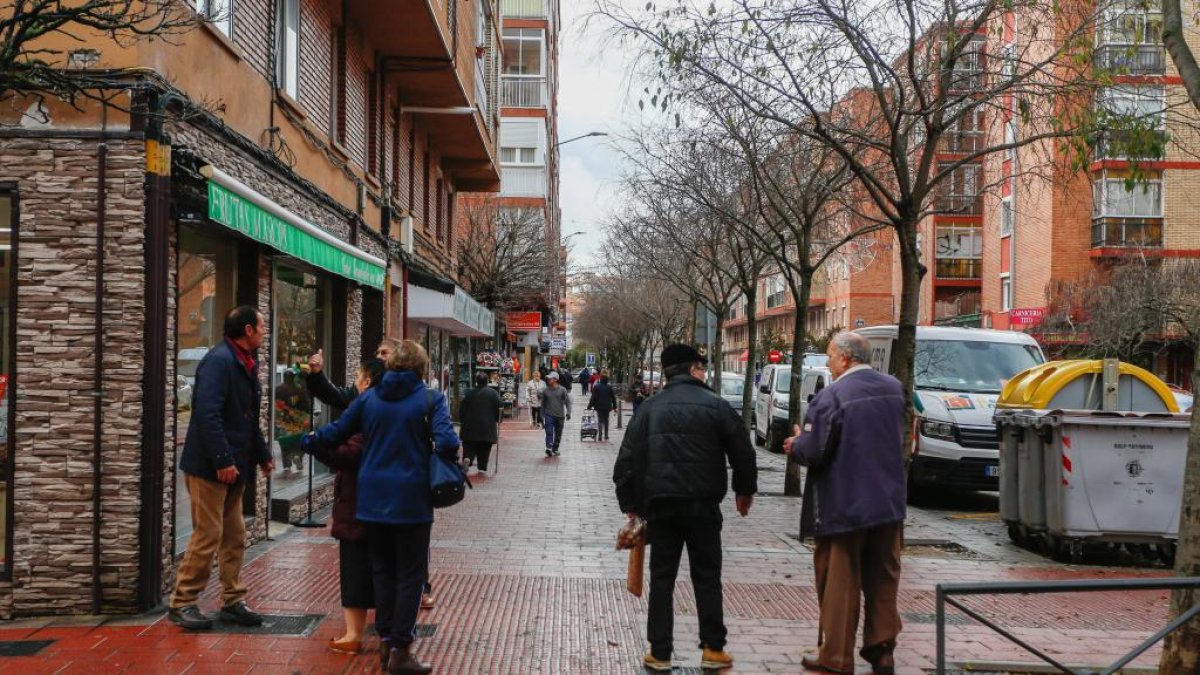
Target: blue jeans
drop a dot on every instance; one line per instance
(554, 430)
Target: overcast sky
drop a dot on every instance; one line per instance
(592, 96)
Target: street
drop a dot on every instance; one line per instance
(527, 581)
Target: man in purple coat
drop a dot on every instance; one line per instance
(854, 497)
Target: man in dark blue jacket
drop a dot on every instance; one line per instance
(224, 443)
(854, 506)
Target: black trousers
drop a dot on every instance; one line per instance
(602, 419)
(479, 452)
(670, 528)
(536, 415)
(400, 562)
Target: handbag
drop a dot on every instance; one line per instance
(448, 483)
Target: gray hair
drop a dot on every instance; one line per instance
(853, 345)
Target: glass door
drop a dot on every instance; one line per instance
(301, 328)
(206, 291)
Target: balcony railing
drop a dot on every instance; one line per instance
(523, 9)
(523, 181)
(1145, 59)
(963, 304)
(960, 143)
(967, 79)
(1117, 145)
(1122, 232)
(524, 92)
(959, 268)
(964, 205)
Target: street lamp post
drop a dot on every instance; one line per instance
(590, 134)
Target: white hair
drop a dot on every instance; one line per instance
(853, 345)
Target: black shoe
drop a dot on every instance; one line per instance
(556, 452)
(402, 660)
(549, 452)
(189, 617)
(240, 614)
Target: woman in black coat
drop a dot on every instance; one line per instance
(479, 413)
(603, 401)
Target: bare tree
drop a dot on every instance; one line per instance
(503, 255)
(36, 59)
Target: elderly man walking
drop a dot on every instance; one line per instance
(556, 409)
(854, 506)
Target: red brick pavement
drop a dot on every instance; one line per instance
(527, 581)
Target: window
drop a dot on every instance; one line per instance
(959, 241)
(337, 86)
(412, 167)
(776, 291)
(8, 296)
(1145, 104)
(441, 210)
(1007, 217)
(1112, 198)
(1132, 22)
(372, 124)
(518, 155)
(288, 73)
(218, 13)
(425, 214)
(1006, 299)
(1010, 138)
(523, 52)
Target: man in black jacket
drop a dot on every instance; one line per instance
(603, 401)
(671, 471)
(479, 413)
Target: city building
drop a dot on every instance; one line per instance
(303, 156)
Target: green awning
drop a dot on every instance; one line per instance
(239, 207)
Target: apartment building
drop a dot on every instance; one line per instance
(304, 156)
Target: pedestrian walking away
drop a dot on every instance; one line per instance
(851, 441)
(564, 378)
(603, 401)
(585, 380)
(533, 392)
(556, 410)
(479, 413)
(224, 442)
(671, 471)
(405, 422)
(354, 558)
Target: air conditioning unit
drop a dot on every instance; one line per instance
(406, 233)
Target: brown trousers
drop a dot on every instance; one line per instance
(218, 528)
(867, 564)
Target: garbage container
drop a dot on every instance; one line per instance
(1114, 477)
(1025, 423)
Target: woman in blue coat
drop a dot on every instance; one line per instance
(403, 423)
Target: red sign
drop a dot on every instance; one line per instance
(524, 322)
(775, 356)
(1027, 316)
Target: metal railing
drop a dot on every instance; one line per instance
(969, 205)
(523, 9)
(945, 595)
(1117, 145)
(959, 268)
(1127, 232)
(1144, 59)
(956, 142)
(523, 181)
(524, 92)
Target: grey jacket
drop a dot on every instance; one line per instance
(556, 401)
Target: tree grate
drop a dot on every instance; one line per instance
(23, 647)
(274, 624)
(930, 617)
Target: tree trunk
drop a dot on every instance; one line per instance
(1181, 53)
(1181, 650)
(903, 353)
(748, 390)
(792, 480)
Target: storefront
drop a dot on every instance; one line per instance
(452, 326)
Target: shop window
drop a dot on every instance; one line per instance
(288, 72)
(206, 291)
(8, 296)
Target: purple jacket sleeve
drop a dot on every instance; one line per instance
(813, 445)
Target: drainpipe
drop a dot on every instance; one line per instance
(98, 360)
(154, 381)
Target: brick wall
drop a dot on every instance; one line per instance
(316, 63)
(52, 513)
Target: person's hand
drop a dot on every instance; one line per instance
(267, 467)
(790, 440)
(316, 362)
(744, 502)
(228, 475)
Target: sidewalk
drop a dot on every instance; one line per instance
(527, 581)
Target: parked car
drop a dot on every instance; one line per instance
(731, 389)
(814, 380)
(770, 416)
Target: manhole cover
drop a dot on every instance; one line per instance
(274, 624)
(425, 630)
(929, 617)
(23, 647)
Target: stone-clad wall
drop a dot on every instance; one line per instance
(52, 552)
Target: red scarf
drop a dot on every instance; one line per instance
(246, 358)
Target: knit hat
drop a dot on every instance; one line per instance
(679, 353)
(552, 375)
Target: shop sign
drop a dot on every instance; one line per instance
(1027, 316)
(524, 322)
(239, 213)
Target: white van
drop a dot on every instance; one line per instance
(770, 413)
(958, 374)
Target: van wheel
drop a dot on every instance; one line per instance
(774, 444)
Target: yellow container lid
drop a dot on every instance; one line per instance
(1036, 388)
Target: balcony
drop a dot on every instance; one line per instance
(967, 80)
(523, 9)
(962, 143)
(523, 181)
(1126, 59)
(524, 92)
(1126, 232)
(960, 268)
(947, 310)
(1148, 145)
(959, 205)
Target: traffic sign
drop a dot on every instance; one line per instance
(591, 359)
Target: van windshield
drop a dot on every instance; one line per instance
(732, 386)
(971, 365)
(783, 381)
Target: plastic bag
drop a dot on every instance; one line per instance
(632, 536)
(632, 533)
